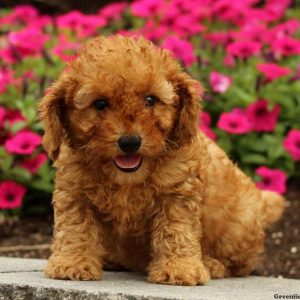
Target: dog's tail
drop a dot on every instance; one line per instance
(273, 206)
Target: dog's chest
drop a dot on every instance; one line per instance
(127, 210)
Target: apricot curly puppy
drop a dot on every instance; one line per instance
(137, 185)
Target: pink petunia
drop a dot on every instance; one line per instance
(65, 49)
(276, 9)
(244, 49)
(233, 11)
(33, 164)
(11, 194)
(235, 122)
(271, 179)
(147, 8)
(28, 41)
(292, 143)
(83, 25)
(153, 32)
(23, 142)
(185, 25)
(219, 82)
(204, 119)
(13, 116)
(285, 29)
(273, 71)
(6, 78)
(182, 49)
(2, 116)
(260, 117)
(285, 46)
(113, 11)
(204, 123)
(253, 31)
(219, 38)
(20, 14)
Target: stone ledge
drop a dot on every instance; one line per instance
(23, 279)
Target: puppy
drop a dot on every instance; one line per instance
(137, 185)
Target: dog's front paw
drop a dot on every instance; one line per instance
(216, 268)
(178, 272)
(71, 268)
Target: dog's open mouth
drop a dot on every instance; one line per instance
(129, 162)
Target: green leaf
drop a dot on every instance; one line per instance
(41, 184)
(21, 174)
(6, 162)
(225, 144)
(254, 159)
(18, 126)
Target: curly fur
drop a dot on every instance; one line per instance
(187, 215)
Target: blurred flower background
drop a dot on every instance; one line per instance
(246, 53)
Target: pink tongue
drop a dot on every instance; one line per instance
(127, 161)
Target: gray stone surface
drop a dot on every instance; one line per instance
(24, 284)
(8, 264)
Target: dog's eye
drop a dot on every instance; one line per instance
(100, 104)
(150, 100)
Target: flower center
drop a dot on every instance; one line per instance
(10, 197)
(260, 112)
(266, 181)
(233, 124)
(288, 48)
(25, 145)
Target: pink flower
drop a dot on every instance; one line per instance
(21, 13)
(234, 122)
(273, 71)
(292, 143)
(6, 78)
(243, 49)
(229, 61)
(8, 55)
(204, 123)
(147, 8)
(186, 25)
(11, 194)
(33, 164)
(285, 29)
(29, 41)
(13, 116)
(276, 9)
(219, 38)
(83, 25)
(182, 49)
(285, 46)
(260, 117)
(219, 82)
(254, 31)
(232, 11)
(23, 142)
(113, 11)
(153, 32)
(272, 180)
(65, 49)
(2, 116)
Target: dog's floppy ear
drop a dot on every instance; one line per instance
(51, 112)
(189, 93)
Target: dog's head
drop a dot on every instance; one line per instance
(123, 103)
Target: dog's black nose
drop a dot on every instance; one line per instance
(130, 144)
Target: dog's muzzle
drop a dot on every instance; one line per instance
(130, 161)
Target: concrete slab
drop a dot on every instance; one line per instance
(8, 264)
(131, 286)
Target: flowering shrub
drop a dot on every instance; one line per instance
(246, 54)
